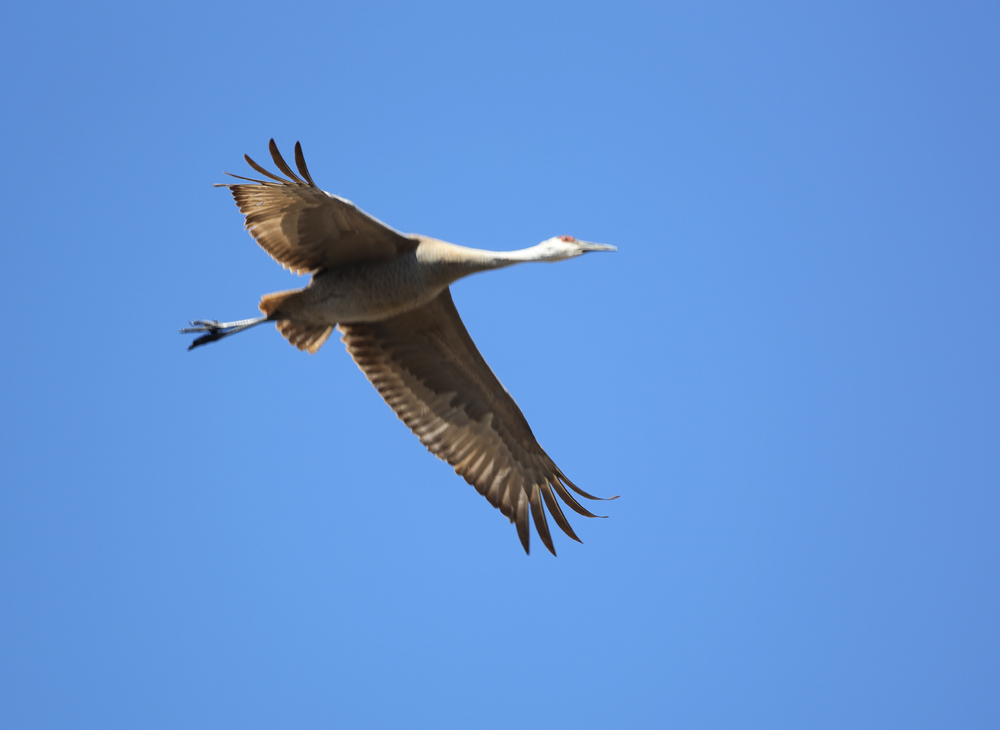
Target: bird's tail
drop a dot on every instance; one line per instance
(309, 337)
(271, 303)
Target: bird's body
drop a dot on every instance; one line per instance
(388, 294)
(372, 291)
(366, 292)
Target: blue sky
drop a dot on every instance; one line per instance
(788, 371)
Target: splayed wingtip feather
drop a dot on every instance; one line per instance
(262, 171)
(280, 162)
(300, 162)
(541, 524)
(557, 513)
(582, 493)
(523, 530)
(570, 499)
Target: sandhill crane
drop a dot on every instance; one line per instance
(387, 293)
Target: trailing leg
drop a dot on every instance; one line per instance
(217, 330)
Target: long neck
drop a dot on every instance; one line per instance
(453, 262)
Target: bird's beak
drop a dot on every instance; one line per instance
(588, 246)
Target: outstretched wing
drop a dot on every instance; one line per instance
(306, 229)
(426, 367)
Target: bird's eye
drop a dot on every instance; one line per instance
(567, 239)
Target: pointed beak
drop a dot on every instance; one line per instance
(588, 246)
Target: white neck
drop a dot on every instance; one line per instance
(500, 259)
(458, 261)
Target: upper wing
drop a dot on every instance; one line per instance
(426, 367)
(306, 229)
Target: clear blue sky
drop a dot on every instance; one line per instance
(789, 370)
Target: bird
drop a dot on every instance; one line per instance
(388, 295)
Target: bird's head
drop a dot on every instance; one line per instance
(567, 247)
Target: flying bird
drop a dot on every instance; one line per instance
(387, 293)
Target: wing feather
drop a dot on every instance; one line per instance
(262, 171)
(300, 162)
(280, 162)
(523, 530)
(557, 514)
(570, 500)
(538, 514)
(427, 368)
(306, 229)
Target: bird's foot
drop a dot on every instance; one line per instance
(203, 325)
(216, 330)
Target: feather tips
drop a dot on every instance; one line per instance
(300, 162)
(280, 162)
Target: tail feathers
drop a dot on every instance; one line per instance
(309, 337)
(305, 336)
(271, 303)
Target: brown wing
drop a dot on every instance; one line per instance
(426, 367)
(306, 229)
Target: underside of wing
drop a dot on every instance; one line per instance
(426, 367)
(306, 229)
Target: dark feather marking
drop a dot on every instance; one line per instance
(541, 524)
(264, 172)
(300, 162)
(583, 493)
(557, 513)
(570, 500)
(280, 162)
(521, 520)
